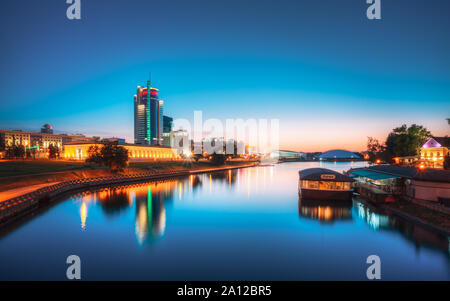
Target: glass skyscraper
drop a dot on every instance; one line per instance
(148, 116)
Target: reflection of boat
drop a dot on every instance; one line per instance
(324, 184)
(326, 211)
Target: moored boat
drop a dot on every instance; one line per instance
(324, 184)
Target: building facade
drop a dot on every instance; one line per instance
(402, 182)
(10, 138)
(36, 144)
(136, 152)
(179, 141)
(78, 138)
(432, 154)
(167, 129)
(434, 151)
(148, 116)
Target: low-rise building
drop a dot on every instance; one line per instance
(384, 181)
(9, 138)
(430, 185)
(37, 142)
(179, 141)
(79, 138)
(136, 152)
(114, 140)
(434, 151)
(432, 154)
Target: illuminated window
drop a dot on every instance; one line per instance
(312, 184)
(327, 185)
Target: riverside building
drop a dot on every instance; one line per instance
(136, 152)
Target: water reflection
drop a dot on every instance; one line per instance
(194, 182)
(325, 211)
(114, 200)
(419, 235)
(150, 211)
(243, 217)
(149, 199)
(83, 214)
(373, 219)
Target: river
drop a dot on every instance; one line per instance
(245, 224)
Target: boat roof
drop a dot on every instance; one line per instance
(370, 174)
(377, 172)
(323, 174)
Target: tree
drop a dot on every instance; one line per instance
(53, 151)
(374, 149)
(407, 141)
(447, 162)
(218, 159)
(30, 153)
(94, 155)
(196, 157)
(15, 151)
(111, 155)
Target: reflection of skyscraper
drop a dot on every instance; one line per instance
(150, 211)
(148, 116)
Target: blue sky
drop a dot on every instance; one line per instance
(329, 74)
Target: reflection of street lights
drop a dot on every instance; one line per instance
(83, 214)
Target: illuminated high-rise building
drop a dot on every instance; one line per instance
(148, 116)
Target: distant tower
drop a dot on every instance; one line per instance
(47, 129)
(148, 116)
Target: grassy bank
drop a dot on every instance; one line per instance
(30, 167)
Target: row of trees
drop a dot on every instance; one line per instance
(402, 141)
(116, 157)
(21, 152)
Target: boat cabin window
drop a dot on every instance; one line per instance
(326, 185)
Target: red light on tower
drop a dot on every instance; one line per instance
(152, 92)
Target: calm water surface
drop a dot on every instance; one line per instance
(245, 224)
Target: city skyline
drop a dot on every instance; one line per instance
(330, 86)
